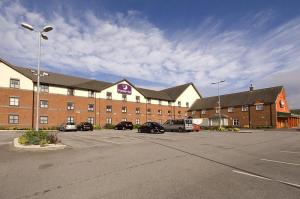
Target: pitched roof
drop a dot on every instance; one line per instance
(295, 111)
(265, 95)
(148, 93)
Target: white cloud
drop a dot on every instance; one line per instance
(128, 45)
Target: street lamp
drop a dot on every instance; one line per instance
(219, 107)
(41, 34)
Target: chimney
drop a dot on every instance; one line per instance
(251, 87)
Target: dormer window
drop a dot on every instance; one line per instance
(124, 97)
(179, 103)
(108, 95)
(70, 92)
(187, 105)
(44, 88)
(245, 108)
(259, 107)
(91, 94)
(230, 109)
(281, 104)
(138, 99)
(148, 101)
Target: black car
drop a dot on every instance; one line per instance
(85, 126)
(151, 127)
(124, 126)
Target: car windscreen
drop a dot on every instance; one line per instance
(188, 121)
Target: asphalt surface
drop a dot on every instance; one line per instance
(125, 164)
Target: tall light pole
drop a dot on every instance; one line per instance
(219, 107)
(41, 34)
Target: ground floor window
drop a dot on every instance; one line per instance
(108, 120)
(149, 120)
(160, 122)
(236, 122)
(137, 121)
(44, 120)
(70, 119)
(90, 120)
(124, 119)
(13, 119)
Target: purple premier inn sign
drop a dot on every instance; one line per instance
(124, 89)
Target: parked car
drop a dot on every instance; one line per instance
(69, 126)
(124, 126)
(85, 126)
(151, 127)
(179, 125)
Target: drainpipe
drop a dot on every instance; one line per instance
(249, 115)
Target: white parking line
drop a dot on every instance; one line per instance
(4, 143)
(280, 162)
(289, 151)
(249, 174)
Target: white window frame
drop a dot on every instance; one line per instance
(169, 112)
(14, 101)
(69, 108)
(137, 121)
(138, 110)
(230, 109)
(44, 105)
(14, 83)
(43, 119)
(124, 119)
(187, 104)
(91, 94)
(235, 122)
(124, 97)
(148, 110)
(159, 112)
(148, 101)
(179, 103)
(193, 112)
(245, 108)
(259, 107)
(138, 99)
(91, 107)
(70, 92)
(44, 88)
(109, 95)
(124, 109)
(70, 119)
(13, 119)
(91, 120)
(108, 120)
(203, 112)
(109, 108)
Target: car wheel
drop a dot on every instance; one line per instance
(139, 130)
(124, 128)
(152, 131)
(180, 130)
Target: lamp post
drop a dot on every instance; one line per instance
(41, 34)
(219, 107)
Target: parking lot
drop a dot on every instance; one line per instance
(125, 164)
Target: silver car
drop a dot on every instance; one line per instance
(69, 126)
(180, 125)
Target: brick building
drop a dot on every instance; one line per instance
(66, 98)
(266, 107)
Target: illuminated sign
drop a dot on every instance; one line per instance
(124, 89)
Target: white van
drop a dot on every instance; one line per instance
(179, 125)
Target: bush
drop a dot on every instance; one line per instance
(109, 126)
(136, 126)
(38, 138)
(221, 129)
(97, 127)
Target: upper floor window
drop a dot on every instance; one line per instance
(108, 108)
(70, 106)
(90, 120)
(259, 107)
(13, 119)
(245, 108)
(149, 101)
(90, 107)
(124, 119)
(179, 103)
(217, 110)
(108, 120)
(235, 122)
(138, 99)
(14, 83)
(108, 95)
(14, 101)
(159, 102)
(203, 112)
(44, 88)
(137, 121)
(187, 105)
(70, 119)
(124, 97)
(159, 112)
(70, 92)
(44, 103)
(193, 112)
(124, 109)
(169, 112)
(137, 110)
(179, 112)
(281, 104)
(230, 109)
(44, 120)
(91, 94)
(148, 111)
(169, 103)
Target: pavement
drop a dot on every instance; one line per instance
(126, 164)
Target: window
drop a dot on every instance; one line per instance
(91, 94)
(108, 108)
(44, 103)
(236, 122)
(149, 111)
(187, 105)
(138, 99)
(14, 101)
(13, 119)
(159, 102)
(169, 103)
(70, 92)
(148, 101)
(159, 112)
(137, 121)
(137, 110)
(70, 106)
(108, 120)
(149, 120)
(230, 109)
(108, 95)
(44, 120)
(124, 97)
(245, 108)
(90, 120)
(14, 83)
(44, 88)
(203, 112)
(70, 119)
(281, 104)
(217, 110)
(179, 112)
(124, 119)
(91, 108)
(160, 121)
(179, 103)
(259, 107)
(124, 109)
(169, 112)
(193, 112)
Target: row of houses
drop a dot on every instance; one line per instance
(65, 98)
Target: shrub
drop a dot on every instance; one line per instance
(221, 129)
(38, 138)
(53, 139)
(43, 142)
(236, 129)
(109, 126)
(136, 126)
(97, 127)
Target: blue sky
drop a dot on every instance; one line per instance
(157, 44)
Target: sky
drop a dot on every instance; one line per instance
(158, 44)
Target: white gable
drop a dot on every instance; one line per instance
(189, 95)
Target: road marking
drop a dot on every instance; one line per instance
(4, 143)
(280, 162)
(249, 174)
(289, 151)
